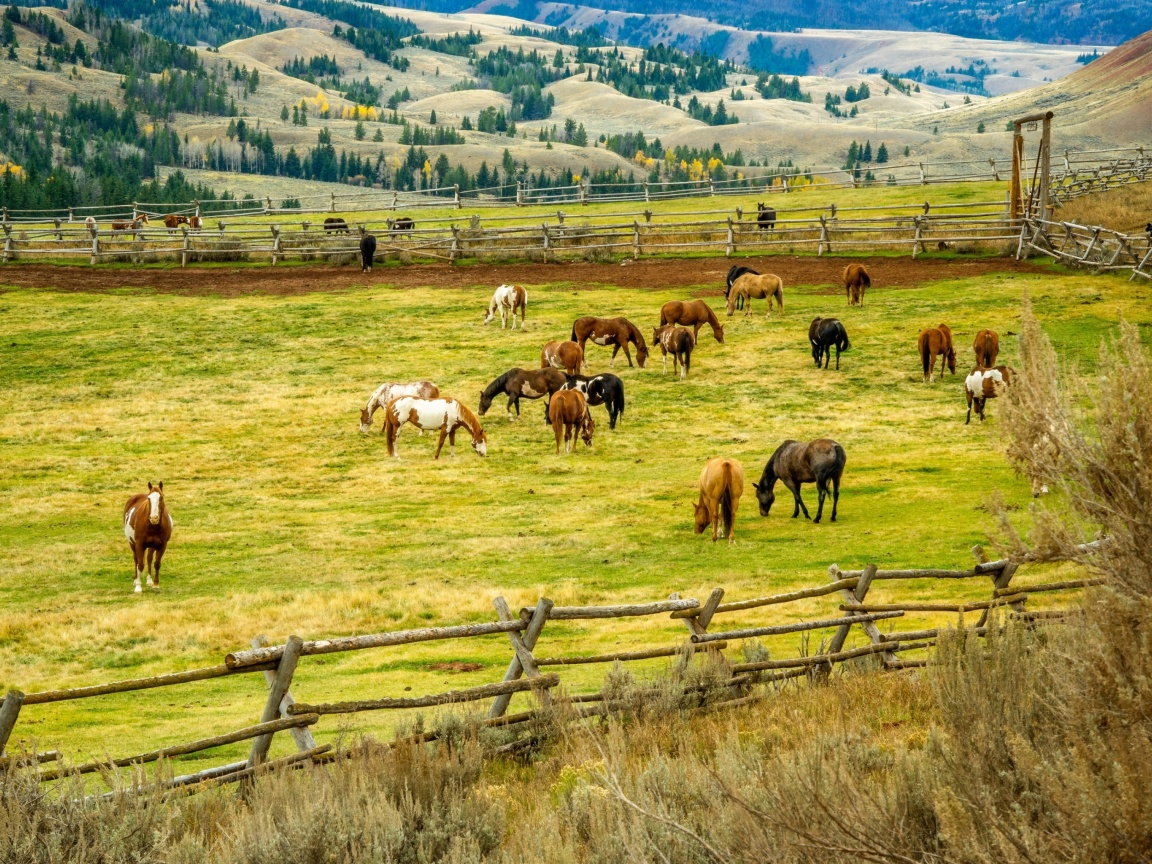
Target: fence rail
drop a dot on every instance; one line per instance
(524, 631)
(1094, 247)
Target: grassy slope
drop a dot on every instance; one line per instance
(288, 521)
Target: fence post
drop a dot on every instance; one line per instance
(456, 194)
(522, 651)
(731, 240)
(220, 225)
(275, 244)
(268, 204)
(917, 243)
(531, 634)
(519, 193)
(646, 198)
(279, 687)
(7, 241)
(698, 624)
(302, 735)
(135, 211)
(9, 711)
(95, 244)
(545, 227)
(71, 217)
(59, 236)
(995, 173)
(648, 216)
(855, 596)
(823, 236)
(999, 580)
(197, 203)
(333, 202)
(583, 192)
(635, 239)
(395, 201)
(454, 249)
(923, 177)
(784, 182)
(832, 212)
(711, 188)
(187, 246)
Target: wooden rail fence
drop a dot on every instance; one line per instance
(524, 630)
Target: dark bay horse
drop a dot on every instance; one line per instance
(606, 390)
(569, 415)
(765, 217)
(148, 528)
(721, 485)
(932, 343)
(367, 251)
(856, 279)
(987, 348)
(617, 332)
(794, 463)
(694, 314)
(678, 342)
(824, 333)
(520, 383)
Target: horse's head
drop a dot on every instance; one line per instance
(489, 314)
(142, 218)
(951, 357)
(587, 428)
(700, 517)
(718, 332)
(765, 496)
(155, 502)
(365, 420)
(656, 335)
(485, 404)
(641, 356)
(760, 208)
(480, 442)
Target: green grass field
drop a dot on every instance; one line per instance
(287, 520)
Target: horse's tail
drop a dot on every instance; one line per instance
(925, 352)
(834, 469)
(725, 502)
(865, 279)
(779, 293)
(390, 429)
(572, 338)
(843, 339)
(618, 399)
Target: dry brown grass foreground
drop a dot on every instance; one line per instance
(1022, 747)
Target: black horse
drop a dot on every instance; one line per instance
(765, 217)
(367, 252)
(735, 273)
(821, 462)
(606, 390)
(824, 334)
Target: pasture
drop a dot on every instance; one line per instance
(245, 402)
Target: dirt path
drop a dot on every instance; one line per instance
(704, 275)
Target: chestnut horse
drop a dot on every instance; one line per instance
(734, 273)
(617, 332)
(119, 225)
(517, 383)
(568, 356)
(721, 485)
(148, 527)
(856, 279)
(678, 342)
(934, 342)
(987, 347)
(385, 393)
(173, 221)
(568, 413)
(820, 462)
(694, 314)
(447, 415)
(984, 384)
(751, 286)
(507, 299)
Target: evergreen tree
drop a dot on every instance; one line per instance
(866, 155)
(358, 132)
(379, 136)
(882, 153)
(284, 112)
(432, 117)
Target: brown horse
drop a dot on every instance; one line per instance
(568, 356)
(195, 223)
(385, 393)
(721, 485)
(694, 314)
(568, 413)
(984, 384)
(447, 415)
(517, 383)
(678, 342)
(130, 224)
(987, 347)
(820, 462)
(617, 332)
(932, 343)
(173, 221)
(751, 287)
(148, 527)
(856, 279)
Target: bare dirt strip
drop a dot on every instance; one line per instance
(704, 276)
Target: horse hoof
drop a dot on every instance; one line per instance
(137, 590)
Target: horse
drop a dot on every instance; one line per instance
(148, 528)
(195, 223)
(694, 314)
(526, 383)
(754, 286)
(447, 415)
(721, 485)
(568, 356)
(173, 221)
(984, 384)
(987, 347)
(403, 225)
(385, 393)
(824, 333)
(119, 225)
(617, 332)
(856, 279)
(606, 390)
(507, 298)
(335, 225)
(933, 342)
(90, 224)
(793, 464)
(367, 251)
(678, 342)
(568, 413)
(734, 273)
(765, 217)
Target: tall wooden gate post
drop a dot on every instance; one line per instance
(9, 711)
(528, 641)
(280, 683)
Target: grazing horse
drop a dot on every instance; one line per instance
(984, 384)
(856, 279)
(119, 225)
(934, 342)
(335, 225)
(765, 217)
(385, 393)
(793, 464)
(694, 314)
(404, 225)
(148, 527)
(987, 347)
(526, 383)
(734, 273)
(195, 223)
(507, 299)
(617, 332)
(754, 286)
(568, 356)
(173, 221)
(90, 224)
(824, 333)
(606, 390)
(678, 342)
(367, 251)
(568, 413)
(447, 415)
(721, 485)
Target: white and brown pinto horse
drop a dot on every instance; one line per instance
(617, 332)
(385, 393)
(568, 356)
(984, 384)
(721, 485)
(148, 528)
(568, 413)
(506, 300)
(679, 342)
(447, 415)
(751, 286)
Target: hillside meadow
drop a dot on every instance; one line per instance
(289, 521)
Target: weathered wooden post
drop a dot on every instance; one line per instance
(454, 249)
(197, 203)
(71, 216)
(784, 182)
(95, 244)
(854, 596)
(519, 193)
(302, 735)
(711, 188)
(220, 225)
(456, 195)
(917, 243)
(698, 624)
(635, 239)
(731, 247)
(1000, 579)
(546, 242)
(333, 202)
(581, 185)
(528, 640)
(187, 246)
(268, 204)
(276, 247)
(648, 216)
(278, 688)
(7, 241)
(395, 201)
(923, 176)
(9, 711)
(59, 236)
(646, 197)
(824, 244)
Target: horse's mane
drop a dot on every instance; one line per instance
(770, 469)
(498, 385)
(470, 419)
(635, 333)
(712, 319)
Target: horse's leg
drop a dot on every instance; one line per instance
(822, 492)
(556, 428)
(148, 554)
(156, 564)
(452, 442)
(665, 372)
(137, 565)
(800, 500)
(612, 359)
(835, 495)
(440, 445)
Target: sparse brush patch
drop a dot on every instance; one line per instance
(1125, 209)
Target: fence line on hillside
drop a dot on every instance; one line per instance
(525, 629)
(1081, 172)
